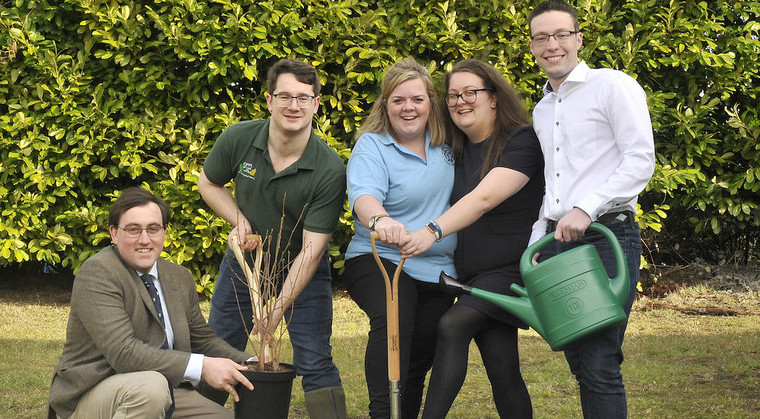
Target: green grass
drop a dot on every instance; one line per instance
(677, 365)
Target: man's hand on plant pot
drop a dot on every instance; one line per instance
(224, 374)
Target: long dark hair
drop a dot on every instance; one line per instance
(510, 113)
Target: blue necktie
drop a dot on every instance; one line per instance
(147, 279)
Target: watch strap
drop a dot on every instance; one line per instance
(435, 228)
(373, 220)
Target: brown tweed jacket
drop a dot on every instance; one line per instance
(113, 328)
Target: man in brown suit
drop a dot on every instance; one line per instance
(136, 340)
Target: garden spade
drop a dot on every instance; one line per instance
(391, 307)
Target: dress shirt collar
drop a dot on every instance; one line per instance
(153, 271)
(578, 75)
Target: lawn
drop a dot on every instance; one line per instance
(677, 365)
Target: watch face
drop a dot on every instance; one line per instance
(435, 230)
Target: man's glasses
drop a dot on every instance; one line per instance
(284, 100)
(468, 97)
(561, 36)
(134, 232)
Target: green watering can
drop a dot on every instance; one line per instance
(565, 297)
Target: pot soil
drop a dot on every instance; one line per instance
(270, 398)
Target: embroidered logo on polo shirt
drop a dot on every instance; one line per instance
(246, 169)
(448, 154)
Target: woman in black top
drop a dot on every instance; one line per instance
(497, 193)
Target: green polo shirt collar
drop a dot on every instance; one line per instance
(306, 161)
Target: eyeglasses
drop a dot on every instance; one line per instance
(468, 97)
(561, 36)
(134, 232)
(284, 100)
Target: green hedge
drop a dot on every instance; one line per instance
(99, 95)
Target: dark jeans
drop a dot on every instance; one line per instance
(309, 321)
(595, 361)
(421, 305)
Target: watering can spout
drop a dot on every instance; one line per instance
(520, 307)
(451, 286)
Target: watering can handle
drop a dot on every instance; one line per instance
(620, 283)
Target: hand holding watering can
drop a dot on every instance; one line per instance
(567, 296)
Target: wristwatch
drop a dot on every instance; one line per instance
(373, 220)
(436, 230)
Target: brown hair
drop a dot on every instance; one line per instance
(404, 70)
(136, 197)
(303, 72)
(510, 113)
(553, 5)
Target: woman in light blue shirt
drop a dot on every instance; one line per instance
(400, 176)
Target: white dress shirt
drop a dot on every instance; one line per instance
(596, 136)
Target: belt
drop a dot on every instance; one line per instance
(608, 219)
(616, 217)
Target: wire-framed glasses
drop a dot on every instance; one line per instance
(468, 97)
(284, 100)
(134, 232)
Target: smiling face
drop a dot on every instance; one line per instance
(408, 108)
(292, 120)
(555, 58)
(475, 119)
(143, 251)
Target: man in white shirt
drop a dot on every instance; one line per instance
(596, 136)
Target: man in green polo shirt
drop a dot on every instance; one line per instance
(280, 167)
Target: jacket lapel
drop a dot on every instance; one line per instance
(144, 295)
(175, 305)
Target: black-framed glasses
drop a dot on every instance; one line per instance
(284, 100)
(134, 232)
(468, 97)
(561, 36)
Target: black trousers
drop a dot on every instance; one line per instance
(421, 305)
